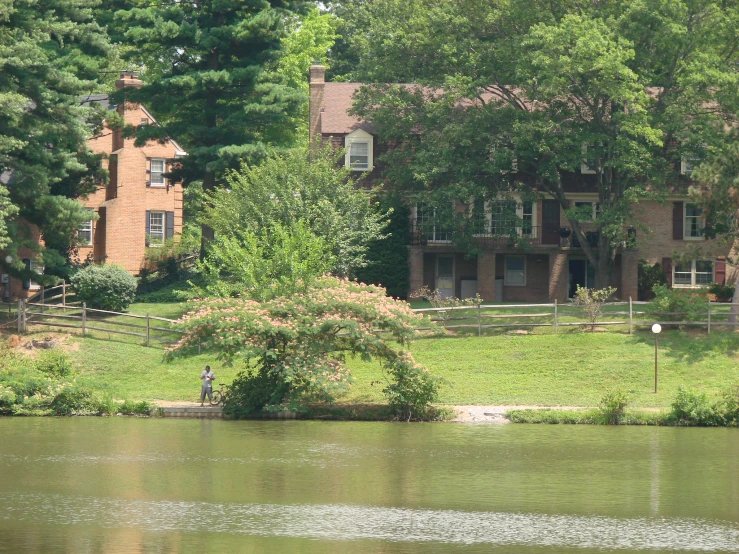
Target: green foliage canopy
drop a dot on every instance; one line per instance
(51, 54)
(212, 82)
(300, 185)
(638, 84)
(299, 343)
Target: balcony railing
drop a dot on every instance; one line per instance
(487, 235)
(424, 232)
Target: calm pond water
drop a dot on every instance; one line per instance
(121, 485)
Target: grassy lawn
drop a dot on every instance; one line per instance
(571, 368)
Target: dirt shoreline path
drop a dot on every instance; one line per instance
(463, 413)
(496, 414)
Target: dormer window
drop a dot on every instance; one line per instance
(359, 146)
(359, 155)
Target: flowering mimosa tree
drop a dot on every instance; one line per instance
(296, 347)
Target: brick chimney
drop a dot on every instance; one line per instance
(128, 79)
(317, 83)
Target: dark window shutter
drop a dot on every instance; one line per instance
(720, 271)
(677, 221)
(148, 173)
(27, 282)
(148, 229)
(169, 227)
(667, 266)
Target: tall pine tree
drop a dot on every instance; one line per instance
(209, 72)
(52, 52)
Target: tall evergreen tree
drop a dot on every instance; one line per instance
(51, 53)
(210, 80)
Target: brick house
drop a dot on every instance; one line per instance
(533, 258)
(138, 209)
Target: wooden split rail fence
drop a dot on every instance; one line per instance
(556, 315)
(146, 327)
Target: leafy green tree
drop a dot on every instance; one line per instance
(51, 54)
(212, 84)
(308, 39)
(299, 345)
(300, 185)
(718, 194)
(279, 261)
(623, 88)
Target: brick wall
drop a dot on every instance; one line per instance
(124, 236)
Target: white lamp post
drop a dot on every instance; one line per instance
(656, 328)
(8, 259)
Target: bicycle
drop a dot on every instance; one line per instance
(219, 396)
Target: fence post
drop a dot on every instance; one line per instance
(555, 322)
(148, 330)
(43, 293)
(709, 316)
(479, 322)
(64, 293)
(84, 317)
(631, 317)
(20, 315)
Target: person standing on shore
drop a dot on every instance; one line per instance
(207, 377)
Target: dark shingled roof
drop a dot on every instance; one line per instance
(337, 101)
(101, 99)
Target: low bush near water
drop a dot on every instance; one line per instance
(690, 408)
(45, 387)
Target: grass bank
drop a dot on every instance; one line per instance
(567, 369)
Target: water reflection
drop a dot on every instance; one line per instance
(128, 485)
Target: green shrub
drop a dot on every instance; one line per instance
(676, 305)
(54, 363)
(387, 258)
(722, 292)
(613, 407)
(648, 277)
(104, 287)
(693, 408)
(128, 407)
(75, 401)
(730, 407)
(411, 390)
(549, 416)
(251, 392)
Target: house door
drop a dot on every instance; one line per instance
(582, 273)
(550, 222)
(445, 276)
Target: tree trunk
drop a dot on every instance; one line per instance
(207, 233)
(734, 312)
(209, 179)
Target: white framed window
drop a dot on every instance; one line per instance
(36, 267)
(515, 271)
(694, 223)
(84, 231)
(593, 208)
(359, 155)
(696, 273)
(156, 228)
(359, 150)
(157, 169)
(503, 217)
(430, 223)
(588, 165)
